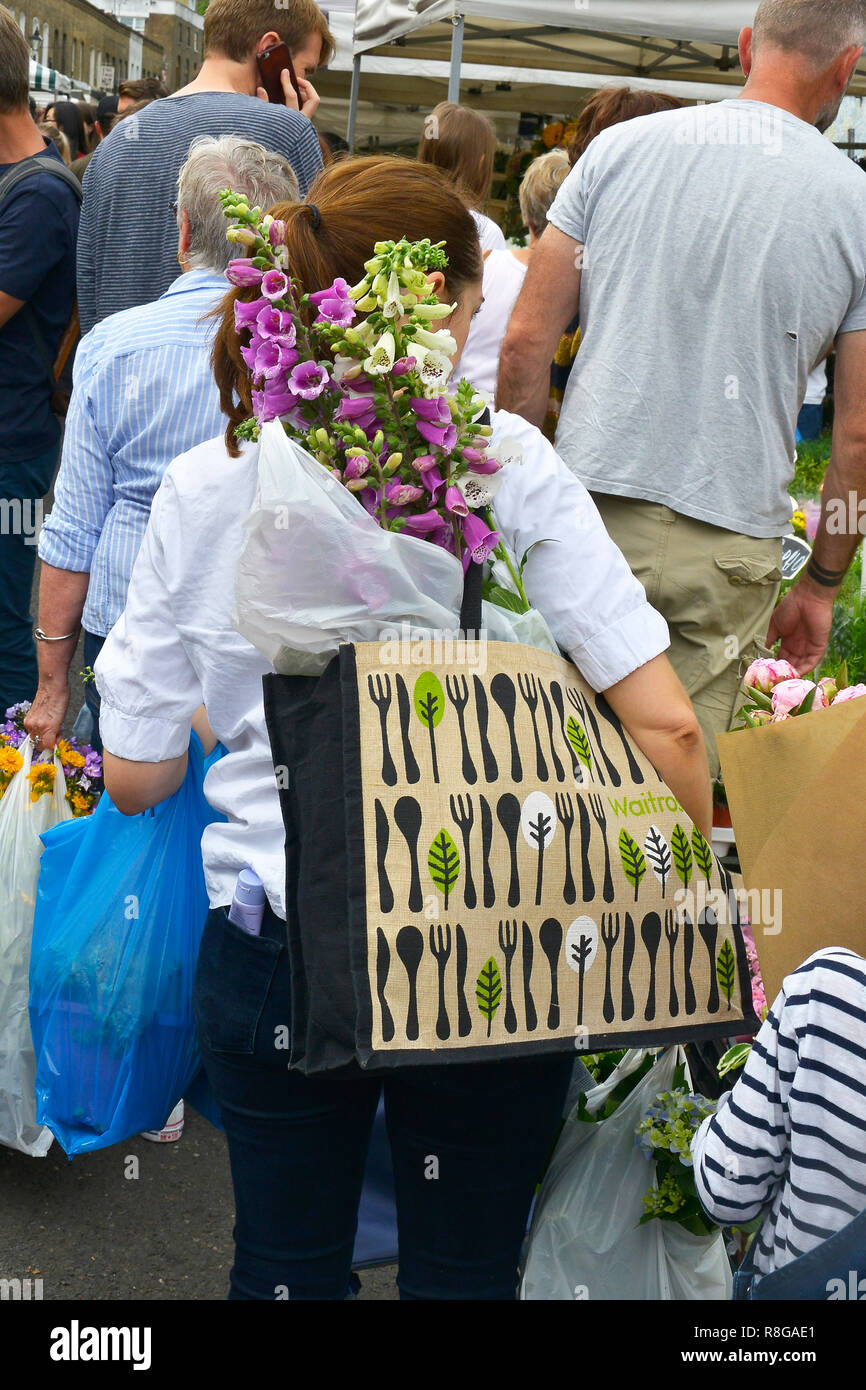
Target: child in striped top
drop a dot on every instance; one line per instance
(790, 1139)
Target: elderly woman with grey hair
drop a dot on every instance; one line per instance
(143, 394)
(504, 272)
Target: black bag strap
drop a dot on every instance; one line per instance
(36, 164)
(25, 169)
(470, 611)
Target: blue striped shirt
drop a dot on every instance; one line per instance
(127, 241)
(790, 1140)
(144, 393)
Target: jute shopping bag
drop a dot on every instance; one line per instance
(481, 864)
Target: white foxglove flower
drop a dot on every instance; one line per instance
(393, 306)
(381, 359)
(479, 489)
(434, 368)
(346, 369)
(434, 311)
(439, 342)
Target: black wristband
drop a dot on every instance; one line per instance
(828, 579)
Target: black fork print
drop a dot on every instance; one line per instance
(529, 690)
(465, 819)
(565, 811)
(597, 808)
(458, 694)
(672, 931)
(508, 946)
(609, 936)
(380, 694)
(440, 947)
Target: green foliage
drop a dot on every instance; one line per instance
(602, 1064)
(848, 634)
(429, 699)
(682, 852)
(703, 854)
(726, 970)
(813, 457)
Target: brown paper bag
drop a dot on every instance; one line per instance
(795, 792)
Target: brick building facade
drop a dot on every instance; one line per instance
(78, 39)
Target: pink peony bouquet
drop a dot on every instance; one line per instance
(359, 376)
(776, 693)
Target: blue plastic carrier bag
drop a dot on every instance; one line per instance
(120, 910)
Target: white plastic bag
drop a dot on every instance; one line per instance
(586, 1241)
(317, 570)
(22, 821)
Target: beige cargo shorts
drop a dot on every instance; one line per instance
(716, 590)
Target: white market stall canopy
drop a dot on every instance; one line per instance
(646, 40)
(51, 82)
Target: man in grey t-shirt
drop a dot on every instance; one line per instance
(714, 254)
(127, 246)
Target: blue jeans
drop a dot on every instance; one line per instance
(22, 488)
(92, 647)
(468, 1143)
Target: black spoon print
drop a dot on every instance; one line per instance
(508, 811)
(607, 713)
(529, 691)
(503, 692)
(611, 767)
(440, 948)
(380, 694)
(597, 807)
(508, 946)
(548, 719)
(465, 819)
(672, 931)
(407, 816)
(585, 832)
(651, 935)
(410, 949)
(482, 710)
(691, 1002)
(489, 888)
(609, 936)
(565, 811)
(550, 938)
(556, 697)
(628, 941)
(458, 694)
(413, 772)
(464, 1017)
(386, 895)
(529, 1002)
(708, 926)
(383, 965)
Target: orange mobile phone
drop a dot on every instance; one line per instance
(271, 63)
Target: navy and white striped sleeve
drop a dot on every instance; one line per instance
(741, 1153)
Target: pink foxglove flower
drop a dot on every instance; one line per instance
(273, 403)
(242, 272)
(276, 323)
(246, 314)
(443, 438)
(277, 233)
(309, 379)
(478, 538)
(850, 692)
(766, 673)
(789, 695)
(425, 461)
(435, 412)
(272, 359)
(402, 494)
(334, 305)
(357, 410)
(357, 467)
(275, 285)
(403, 366)
(455, 502)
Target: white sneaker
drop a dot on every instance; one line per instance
(171, 1130)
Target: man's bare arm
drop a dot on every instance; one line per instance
(547, 303)
(803, 619)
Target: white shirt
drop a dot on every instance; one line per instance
(174, 648)
(479, 362)
(490, 234)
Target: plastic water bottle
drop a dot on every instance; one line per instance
(248, 904)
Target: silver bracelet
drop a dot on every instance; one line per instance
(40, 636)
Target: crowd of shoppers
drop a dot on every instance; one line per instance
(702, 291)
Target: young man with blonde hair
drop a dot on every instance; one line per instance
(127, 252)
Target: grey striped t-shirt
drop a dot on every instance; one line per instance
(790, 1139)
(127, 241)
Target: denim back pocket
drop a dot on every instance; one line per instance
(232, 981)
